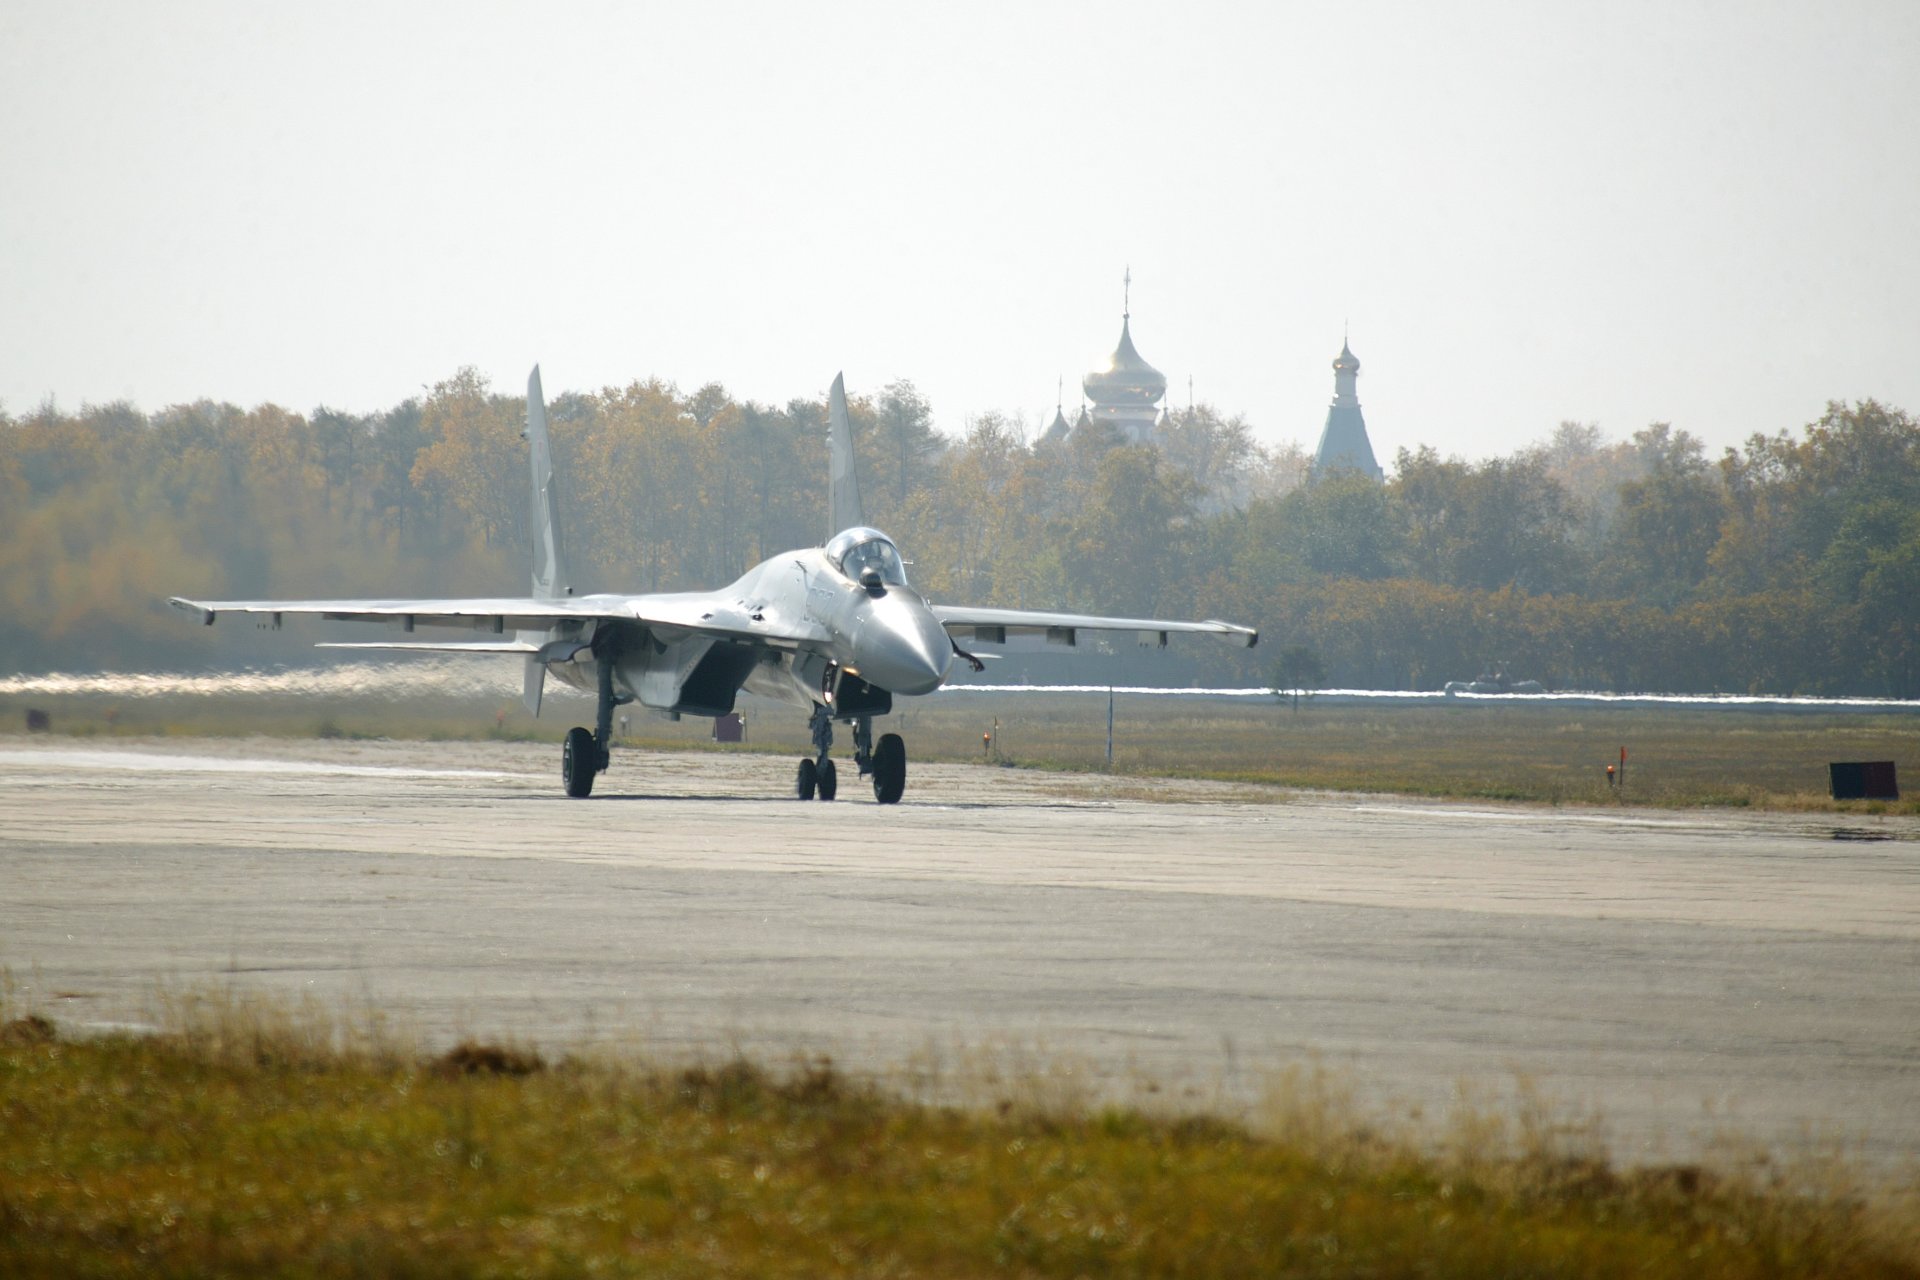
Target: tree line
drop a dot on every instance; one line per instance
(1788, 565)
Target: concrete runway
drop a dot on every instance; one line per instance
(1678, 974)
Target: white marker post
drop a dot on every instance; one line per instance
(1109, 728)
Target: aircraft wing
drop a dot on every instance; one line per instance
(484, 613)
(997, 624)
(705, 613)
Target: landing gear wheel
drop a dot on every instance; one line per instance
(889, 769)
(807, 779)
(829, 779)
(579, 762)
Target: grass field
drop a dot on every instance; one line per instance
(252, 1140)
(1535, 752)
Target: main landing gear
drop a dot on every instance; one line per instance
(886, 763)
(584, 756)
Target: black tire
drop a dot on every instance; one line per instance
(889, 769)
(579, 762)
(806, 780)
(829, 780)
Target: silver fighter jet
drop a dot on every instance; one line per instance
(835, 630)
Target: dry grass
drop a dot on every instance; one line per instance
(1531, 752)
(249, 1139)
(1524, 752)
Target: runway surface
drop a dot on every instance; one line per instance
(1678, 973)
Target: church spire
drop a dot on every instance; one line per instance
(1343, 442)
(1057, 429)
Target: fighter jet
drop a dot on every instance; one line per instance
(835, 630)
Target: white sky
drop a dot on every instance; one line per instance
(1615, 212)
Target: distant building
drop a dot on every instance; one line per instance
(1057, 429)
(1343, 442)
(1127, 393)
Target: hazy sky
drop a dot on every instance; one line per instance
(1707, 214)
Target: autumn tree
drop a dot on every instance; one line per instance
(1298, 671)
(1503, 522)
(1126, 549)
(475, 462)
(1216, 452)
(1669, 521)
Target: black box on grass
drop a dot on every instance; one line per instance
(1863, 780)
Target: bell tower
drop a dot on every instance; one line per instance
(1343, 441)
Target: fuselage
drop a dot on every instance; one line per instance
(834, 638)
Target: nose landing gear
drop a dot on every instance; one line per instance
(886, 764)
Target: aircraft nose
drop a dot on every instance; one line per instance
(902, 647)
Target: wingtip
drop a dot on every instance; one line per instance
(1248, 636)
(199, 611)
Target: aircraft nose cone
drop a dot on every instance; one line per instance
(902, 647)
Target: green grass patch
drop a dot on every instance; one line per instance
(251, 1140)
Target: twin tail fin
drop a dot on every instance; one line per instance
(550, 578)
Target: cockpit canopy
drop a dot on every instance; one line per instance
(857, 550)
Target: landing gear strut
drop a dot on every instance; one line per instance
(586, 755)
(816, 775)
(863, 744)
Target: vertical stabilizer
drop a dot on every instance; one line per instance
(843, 488)
(550, 581)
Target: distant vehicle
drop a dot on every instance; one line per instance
(834, 630)
(1495, 681)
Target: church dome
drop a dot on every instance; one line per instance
(1127, 379)
(1057, 429)
(1346, 360)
